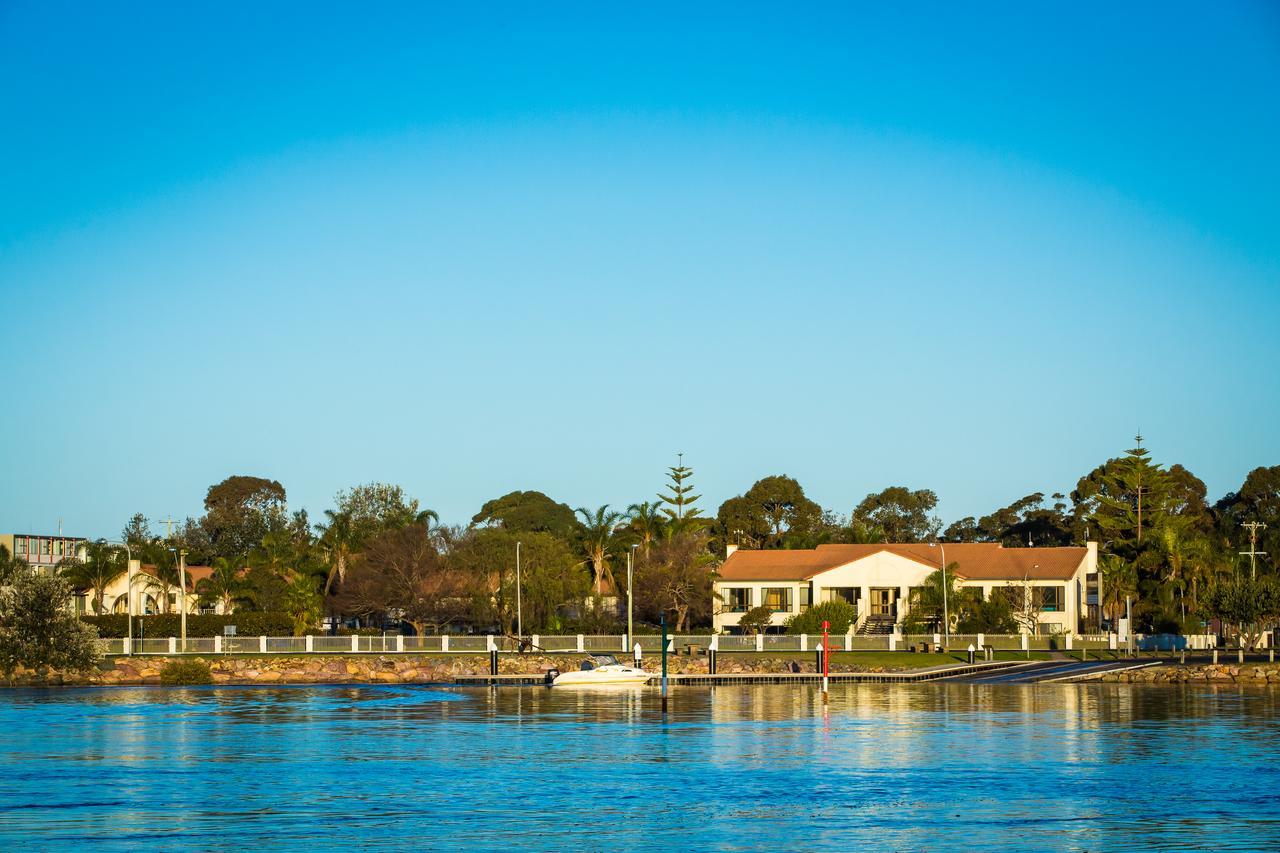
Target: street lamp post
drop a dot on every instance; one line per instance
(519, 608)
(946, 615)
(631, 628)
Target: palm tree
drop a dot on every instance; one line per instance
(1119, 581)
(599, 528)
(100, 567)
(223, 585)
(647, 523)
(337, 538)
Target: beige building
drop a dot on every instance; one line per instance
(150, 594)
(878, 580)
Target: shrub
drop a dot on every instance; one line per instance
(248, 624)
(756, 620)
(194, 671)
(840, 613)
(360, 632)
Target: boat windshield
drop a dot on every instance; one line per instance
(604, 660)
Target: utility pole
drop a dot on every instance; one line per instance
(168, 526)
(1253, 553)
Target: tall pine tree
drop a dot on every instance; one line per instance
(678, 503)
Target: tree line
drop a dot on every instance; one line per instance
(379, 556)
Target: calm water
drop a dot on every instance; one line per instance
(928, 767)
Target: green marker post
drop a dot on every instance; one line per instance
(664, 664)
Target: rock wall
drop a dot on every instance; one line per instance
(1248, 673)
(399, 668)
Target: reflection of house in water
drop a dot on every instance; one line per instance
(878, 580)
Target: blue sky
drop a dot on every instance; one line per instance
(968, 248)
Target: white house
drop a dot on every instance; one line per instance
(877, 579)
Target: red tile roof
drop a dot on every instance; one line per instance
(971, 560)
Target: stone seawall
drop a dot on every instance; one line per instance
(399, 668)
(1248, 673)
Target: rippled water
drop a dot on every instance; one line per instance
(885, 767)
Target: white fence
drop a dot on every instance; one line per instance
(619, 643)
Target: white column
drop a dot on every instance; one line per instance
(804, 642)
(217, 644)
(536, 640)
(399, 642)
(1069, 636)
(893, 642)
(982, 640)
(759, 642)
(173, 645)
(715, 642)
(444, 642)
(582, 643)
(626, 643)
(309, 643)
(848, 639)
(262, 645)
(1026, 641)
(127, 646)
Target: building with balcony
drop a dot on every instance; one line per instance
(878, 580)
(43, 551)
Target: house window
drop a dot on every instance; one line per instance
(57, 548)
(46, 546)
(1053, 599)
(847, 594)
(806, 596)
(738, 599)
(20, 546)
(778, 599)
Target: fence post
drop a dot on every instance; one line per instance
(444, 642)
(1111, 641)
(982, 640)
(804, 642)
(625, 643)
(848, 639)
(937, 639)
(582, 643)
(173, 645)
(217, 644)
(893, 642)
(536, 639)
(262, 644)
(127, 646)
(759, 642)
(714, 645)
(489, 644)
(1026, 642)
(1070, 637)
(309, 643)
(399, 642)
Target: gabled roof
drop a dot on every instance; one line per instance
(971, 560)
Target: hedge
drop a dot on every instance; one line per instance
(249, 624)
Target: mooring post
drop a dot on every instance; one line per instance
(711, 661)
(826, 659)
(493, 661)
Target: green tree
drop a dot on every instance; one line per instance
(38, 628)
(774, 513)
(676, 578)
(1244, 603)
(239, 511)
(679, 500)
(645, 524)
(933, 599)
(222, 586)
(900, 514)
(599, 529)
(1257, 500)
(986, 616)
(337, 542)
(551, 580)
(528, 512)
(1123, 499)
(303, 603)
(1119, 584)
(374, 507)
(137, 531)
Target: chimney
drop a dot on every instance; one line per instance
(728, 550)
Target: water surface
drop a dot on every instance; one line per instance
(886, 767)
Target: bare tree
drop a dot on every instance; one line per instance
(401, 575)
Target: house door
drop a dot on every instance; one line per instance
(882, 603)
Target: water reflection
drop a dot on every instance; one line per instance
(919, 767)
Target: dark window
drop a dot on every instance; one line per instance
(737, 599)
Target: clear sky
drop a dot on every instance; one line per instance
(966, 247)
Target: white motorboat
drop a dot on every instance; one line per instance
(598, 669)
